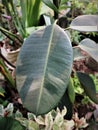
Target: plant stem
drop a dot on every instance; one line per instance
(56, 3)
(10, 35)
(6, 74)
(6, 60)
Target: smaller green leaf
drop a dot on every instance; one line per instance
(50, 5)
(71, 92)
(77, 54)
(90, 47)
(88, 84)
(85, 23)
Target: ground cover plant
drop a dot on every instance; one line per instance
(44, 74)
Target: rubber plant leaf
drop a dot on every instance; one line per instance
(43, 69)
(90, 47)
(6, 74)
(88, 84)
(85, 23)
(77, 53)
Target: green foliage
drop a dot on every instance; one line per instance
(45, 60)
(77, 4)
(2, 91)
(52, 120)
(1, 36)
(30, 17)
(87, 83)
(90, 47)
(6, 119)
(95, 79)
(86, 100)
(6, 74)
(10, 35)
(84, 23)
(77, 87)
(75, 37)
(49, 68)
(10, 123)
(50, 4)
(57, 6)
(86, 6)
(39, 81)
(11, 10)
(91, 7)
(71, 91)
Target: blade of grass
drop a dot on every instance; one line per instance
(19, 25)
(10, 35)
(6, 74)
(36, 14)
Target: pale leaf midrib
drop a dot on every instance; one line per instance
(41, 89)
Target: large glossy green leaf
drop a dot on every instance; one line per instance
(85, 23)
(8, 123)
(88, 84)
(43, 69)
(90, 47)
